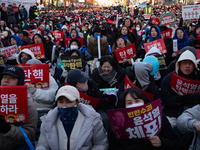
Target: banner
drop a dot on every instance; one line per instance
(9, 51)
(190, 12)
(67, 41)
(184, 86)
(129, 84)
(36, 74)
(157, 43)
(88, 100)
(138, 122)
(162, 62)
(37, 49)
(168, 19)
(147, 16)
(167, 33)
(155, 21)
(127, 52)
(14, 103)
(70, 63)
(58, 35)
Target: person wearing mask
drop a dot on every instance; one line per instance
(104, 32)
(166, 139)
(24, 55)
(71, 125)
(10, 134)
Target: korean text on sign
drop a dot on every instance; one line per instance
(14, 104)
(88, 100)
(184, 86)
(9, 51)
(139, 122)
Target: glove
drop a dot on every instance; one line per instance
(64, 73)
(31, 89)
(4, 127)
(182, 100)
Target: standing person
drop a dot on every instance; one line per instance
(136, 10)
(11, 16)
(25, 13)
(148, 9)
(10, 135)
(3, 10)
(16, 9)
(71, 125)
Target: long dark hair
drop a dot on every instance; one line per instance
(110, 60)
(135, 93)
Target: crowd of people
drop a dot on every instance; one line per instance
(57, 118)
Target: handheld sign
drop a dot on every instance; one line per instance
(155, 21)
(167, 33)
(168, 19)
(88, 100)
(14, 103)
(58, 35)
(147, 16)
(175, 45)
(70, 63)
(184, 86)
(157, 43)
(129, 84)
(36, 74)
(162, 62)
(138, 122)
(125, 53)
(9, 51)
(37, 49)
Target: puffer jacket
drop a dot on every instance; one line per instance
(87, 132)
(11, 15)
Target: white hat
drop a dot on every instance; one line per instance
(68, 91)
(187, 55)
(153, 50)
(64, 27)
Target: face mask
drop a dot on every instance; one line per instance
(68, 115)
(73, 47)
(96, 36)
(83, 88)
(23, 60)
(157, 76)
(135, 105)
(137, 29)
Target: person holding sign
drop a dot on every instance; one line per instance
(10, 134)
(134, 97)
(71, 125)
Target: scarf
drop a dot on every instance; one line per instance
(157, 37)
(68, 115)
(109, 78)
(125, 36)
(182, 42)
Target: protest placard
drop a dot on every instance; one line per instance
(127, 52)
(138, 122)
(88, 100)
(162, 62)
(190, 12)
(168, 19)
(67, 41)
(157, 43)
(58, 35)
(9, 51)
(155, 21)
(131, 30)
(147, 16)
(71, 62)
(36, 74)
(129, 84)
(184, 86)
(14, 103)
(37, 49)
(167, 33)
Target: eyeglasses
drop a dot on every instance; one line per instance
(185, 62)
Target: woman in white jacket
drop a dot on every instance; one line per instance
(72, 125)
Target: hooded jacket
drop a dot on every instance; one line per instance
(194, 38)
(17, 38)
(71, 33)
(87, 133)
(158, 32)
(26, 51)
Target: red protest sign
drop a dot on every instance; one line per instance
(131, 30)
(184, 86)
(138, 122)
(36, 74)
(125, 53)
(57, 42)
(167, 33)
(37, 49)
(110, 21)
(88, 100)
(129, 84)
(157, 43)
(14, 103)
(147, 16)
(31, 35)
(155, 21)
(198, 53)
(9, 51)
(58, 35)
(67, 40)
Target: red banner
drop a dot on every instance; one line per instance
(58, 35)
(184, 86)
(132, 30)
(110, 21)
(36, 74)
(88, 100)
(167, 33)
(157, 43)
(125, 53)
(37, 49)
(67, 40)
(138, 122)
(14, 103)
(147, 16)
(155, 21)
(129, 84)
(9, 51)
